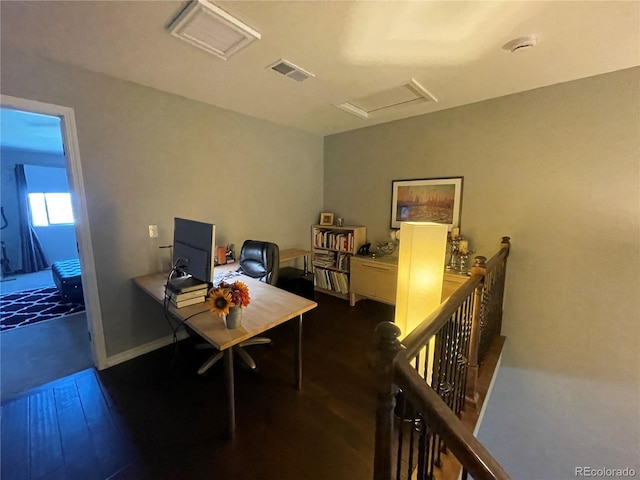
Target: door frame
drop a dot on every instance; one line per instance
(83, 231)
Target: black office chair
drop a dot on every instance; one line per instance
(259, 260)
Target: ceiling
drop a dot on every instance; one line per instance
(354, 49)
(30, 131)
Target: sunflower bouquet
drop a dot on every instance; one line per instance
(227, 295)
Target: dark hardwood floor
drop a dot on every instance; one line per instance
(154, 418)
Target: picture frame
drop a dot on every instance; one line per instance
(427, 200)
(326, 218)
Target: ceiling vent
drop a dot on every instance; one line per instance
(388, 101)
(212, 29)
(288, 69)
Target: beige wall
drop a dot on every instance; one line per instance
(148, 156)
(557, 169)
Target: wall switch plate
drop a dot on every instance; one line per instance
(153, 231)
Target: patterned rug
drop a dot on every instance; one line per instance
(32, 306)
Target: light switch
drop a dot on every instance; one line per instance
(153, 231)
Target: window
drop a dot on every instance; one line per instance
(50, 209)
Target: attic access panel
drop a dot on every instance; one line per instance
(386, 101)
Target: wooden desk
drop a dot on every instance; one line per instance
(289, 254)
(269, 307)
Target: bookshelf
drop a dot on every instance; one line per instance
(332, 248)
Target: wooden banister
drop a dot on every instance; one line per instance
(436, 369)
(475, 458)
(415, 341)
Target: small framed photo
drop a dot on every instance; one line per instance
(426, 200)
(326, 219)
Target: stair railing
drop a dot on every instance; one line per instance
(432, 374)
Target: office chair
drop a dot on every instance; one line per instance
(259, 260)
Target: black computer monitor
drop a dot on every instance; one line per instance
(194, 248)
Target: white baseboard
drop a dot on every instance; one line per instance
(486, 400)
(142, 349)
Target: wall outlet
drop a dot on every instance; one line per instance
(153, 231)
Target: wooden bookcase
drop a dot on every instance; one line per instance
(333, 248)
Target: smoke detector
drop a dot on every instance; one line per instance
(522, 43)
(288, 69)
(210, 28)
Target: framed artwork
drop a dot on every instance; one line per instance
(326, 219)
(426, 200)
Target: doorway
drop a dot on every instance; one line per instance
(51, 349)
(37, 217)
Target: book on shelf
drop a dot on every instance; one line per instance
(185, 284)
(342, 262)
(178, 297)
(189, 301)
(343, 282)
(334, 240)
(323, 258)
(331, 280)
(340, 282)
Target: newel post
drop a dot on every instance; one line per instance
(479, 268)
(506, 243)
(386, 346)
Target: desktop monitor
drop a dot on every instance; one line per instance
(193, 248)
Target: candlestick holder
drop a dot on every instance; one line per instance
(453, 258)
(460, 252)
(462, 260)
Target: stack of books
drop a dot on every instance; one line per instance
(185, 291)
(324, 258)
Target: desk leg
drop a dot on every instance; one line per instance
(231, 399)
(298, 358)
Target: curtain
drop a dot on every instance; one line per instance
(33, 258)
